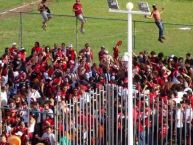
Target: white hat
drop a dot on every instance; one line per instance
(14, 43)
(22, 48)
(187, 89)
(106, 51)
(19, 133)
(172, 56)
(70, 45)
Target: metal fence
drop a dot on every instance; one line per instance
(100, 117)
(64, 28)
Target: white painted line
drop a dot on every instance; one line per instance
(185, 28)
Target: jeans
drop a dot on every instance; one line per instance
(161, 28)
(142, 138)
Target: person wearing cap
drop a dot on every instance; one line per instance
(71, 53)
(77, 8)
(45, 12)
(156, 14)
(22, 54)
(13, 49)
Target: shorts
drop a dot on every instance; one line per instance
(80, 18)
(45, 16)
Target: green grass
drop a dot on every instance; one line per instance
(7, 4)
(103, 32)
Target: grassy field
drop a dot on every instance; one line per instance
(7, 4)
(100, 31)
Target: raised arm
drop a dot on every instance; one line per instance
(150, 16)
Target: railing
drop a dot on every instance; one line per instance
(100, 117)
(94, 119)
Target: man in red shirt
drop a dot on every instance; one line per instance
(22, 54)
(77, 8)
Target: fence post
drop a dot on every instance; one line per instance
(20, 30)
(134, 34)
(76, 34)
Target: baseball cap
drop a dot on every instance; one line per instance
(14, 43)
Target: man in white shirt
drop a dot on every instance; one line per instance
(179, 123)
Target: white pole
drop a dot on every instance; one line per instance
(130, 78)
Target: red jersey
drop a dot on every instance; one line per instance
(164, 132)
(78, 9)
(22, 55)
(191, 101)
(140, 127)
(64, 66)
(12, 50)
(71, 55)
(37, 50)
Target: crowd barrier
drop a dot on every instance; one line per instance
(100, 117)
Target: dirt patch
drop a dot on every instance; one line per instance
(24, 8)
(29, 7)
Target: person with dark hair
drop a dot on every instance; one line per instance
(156, 14)
(36, 49)
(189, 60)
(45, 12)
(77, 8)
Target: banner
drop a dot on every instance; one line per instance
(144, 6)
(113, 4)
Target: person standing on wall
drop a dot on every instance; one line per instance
(77, 8)
(156, 15)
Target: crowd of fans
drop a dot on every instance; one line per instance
(32, 85)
